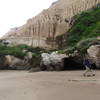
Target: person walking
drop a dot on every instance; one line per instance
(88, 67)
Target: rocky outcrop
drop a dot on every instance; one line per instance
(15, 63)
(59, 62)
(51, 62)
(94, 54)
(12, 62)
(49, 27)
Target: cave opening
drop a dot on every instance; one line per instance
(71, 64)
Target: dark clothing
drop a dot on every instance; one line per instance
(86, 63)
(88, 67)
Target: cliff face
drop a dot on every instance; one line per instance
(49, 27)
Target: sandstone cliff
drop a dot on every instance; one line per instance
(48, 28)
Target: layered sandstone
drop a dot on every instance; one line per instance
(48, 28)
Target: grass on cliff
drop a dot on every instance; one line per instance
(86, 25)
(81, 46)
(84, 32)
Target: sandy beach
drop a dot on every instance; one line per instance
(67, 85)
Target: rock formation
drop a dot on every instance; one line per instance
(48, 28)
(14, 63)
(11, 62)
(94, 53)
(51, 62)
(58, 62)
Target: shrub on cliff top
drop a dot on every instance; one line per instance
(86, 25)
(83, 45)
(22, 46)
(15, 51)
(30, 48)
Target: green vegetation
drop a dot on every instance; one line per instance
(30, 48)
(83, 45)
(67, 51)
(84, 32)
(70, 50)
(17, 51)
(61, 51)
(86, 25)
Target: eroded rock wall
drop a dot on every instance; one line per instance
(43, 29)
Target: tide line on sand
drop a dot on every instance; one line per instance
(86, 80)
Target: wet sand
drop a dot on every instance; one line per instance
(67, 85)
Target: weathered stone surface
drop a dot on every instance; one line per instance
(51, 62)
(15, 63)
(58, 62)
(27, 63)
(94, 54)
(3, 63)
(44, 29)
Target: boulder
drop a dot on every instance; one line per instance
(94, 54)
(14, 62)
(45, 59)
(51, 62)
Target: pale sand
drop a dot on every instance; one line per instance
(67, 85)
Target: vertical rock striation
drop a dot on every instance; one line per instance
(43, 29)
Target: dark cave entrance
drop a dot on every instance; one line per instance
(71, 64)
